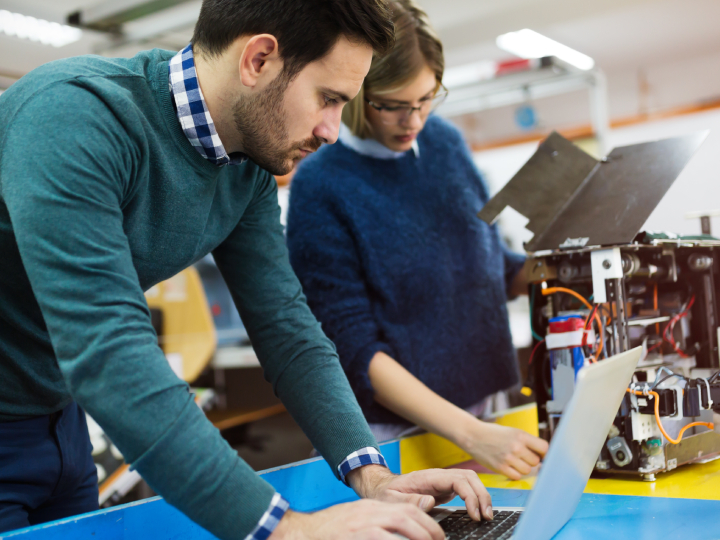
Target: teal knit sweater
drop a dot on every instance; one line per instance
(101, 197)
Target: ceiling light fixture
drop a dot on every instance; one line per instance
(40, 30)
(527, 43)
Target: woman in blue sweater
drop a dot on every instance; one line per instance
(408, 283)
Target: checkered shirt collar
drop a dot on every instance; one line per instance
(192, 111)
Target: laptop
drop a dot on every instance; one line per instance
(567, 466)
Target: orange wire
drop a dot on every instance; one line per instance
(655, 306)
(553, 290)
(659, 423)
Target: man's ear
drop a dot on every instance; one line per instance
(260, 59)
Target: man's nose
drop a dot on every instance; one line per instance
(329, 128)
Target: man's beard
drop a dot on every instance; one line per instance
(261, 124)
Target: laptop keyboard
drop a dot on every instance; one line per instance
(460, 526)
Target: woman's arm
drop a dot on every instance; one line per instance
(509, 451)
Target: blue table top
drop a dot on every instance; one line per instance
(601, 517)
(310, 485)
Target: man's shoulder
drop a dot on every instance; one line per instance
(95, 73)
(86, 93)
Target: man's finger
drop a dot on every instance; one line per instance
(442, 499)
(483, 496)
(427, 523)
(404, 519)
(405, 525)
(423, 502)
(373, 533)
(465, 491)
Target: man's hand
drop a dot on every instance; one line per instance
(509, 451)
(359, 520)
(424, 489)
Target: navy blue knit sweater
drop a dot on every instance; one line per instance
(393, 258)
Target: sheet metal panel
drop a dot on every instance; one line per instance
(567, 194)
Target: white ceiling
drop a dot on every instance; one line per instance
(616, 33)
(619, 34)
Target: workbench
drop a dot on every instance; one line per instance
(681, 504)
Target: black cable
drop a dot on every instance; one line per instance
(546, 380)
(666, 378)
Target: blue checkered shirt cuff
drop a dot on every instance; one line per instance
(364, 456)
(270, 519)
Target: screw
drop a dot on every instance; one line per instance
(606, 264)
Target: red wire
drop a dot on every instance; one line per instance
(532, 354)
(668, 331)
(671, 327)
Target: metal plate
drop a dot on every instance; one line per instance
(694, 447)
(543, 185)
(568, 195)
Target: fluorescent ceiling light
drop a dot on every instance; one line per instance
(529, 44)
(45, 32)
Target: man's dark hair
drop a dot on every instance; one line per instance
(306, 30)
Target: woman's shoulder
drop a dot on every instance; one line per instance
(445, 142)
(323, 169)
(437, 130)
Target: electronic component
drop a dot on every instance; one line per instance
(619, 451)
(668, 403)
(600, 286)
(564, 344)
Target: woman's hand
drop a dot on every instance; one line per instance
(506, 450)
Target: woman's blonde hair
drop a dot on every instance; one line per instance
(416, 45)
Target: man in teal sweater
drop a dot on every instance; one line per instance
(116, 174)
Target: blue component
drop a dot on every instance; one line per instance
(525, 117)
(562, 318)
(577, 358)
(573, 356)
(560, 358)
(561, 362)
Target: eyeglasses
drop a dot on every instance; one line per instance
(399, 114)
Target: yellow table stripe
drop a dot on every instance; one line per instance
(427, 451)
(695, 481)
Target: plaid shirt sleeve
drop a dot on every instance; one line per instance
(364, 456)
(270, 519)
(278, 505)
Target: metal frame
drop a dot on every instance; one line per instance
(554, 78)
